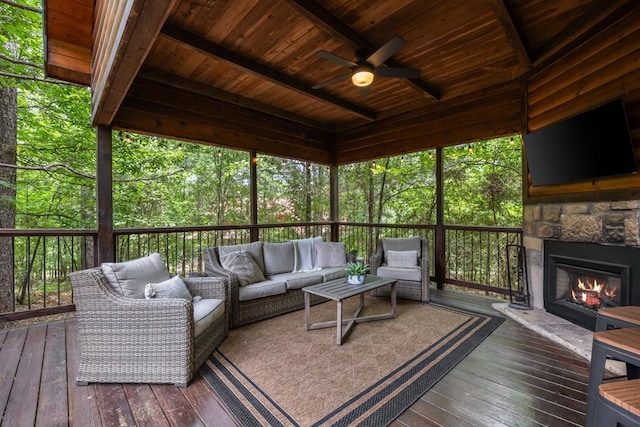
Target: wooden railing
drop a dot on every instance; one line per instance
(474, 257)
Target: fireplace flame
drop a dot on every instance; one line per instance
(591, 294)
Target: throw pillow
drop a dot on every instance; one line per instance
(129, 278)
(402, 259)
(278, 257)
(330, 254)
(172, 288)
(243, 265)
(254, 248)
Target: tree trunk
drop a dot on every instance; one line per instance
(8, 137)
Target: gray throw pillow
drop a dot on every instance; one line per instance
(242, 264)
(330, 254)
(402, 259)
(172, 288)
(254, 248)
(278, 257)
(129, 278)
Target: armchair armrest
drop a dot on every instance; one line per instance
(208, 287)
(376, 259)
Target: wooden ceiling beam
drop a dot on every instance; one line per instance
(507, 20)
(221, 95)
(122, 58)
(324, 19)
(207, 47)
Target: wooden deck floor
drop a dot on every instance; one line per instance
(514, 378)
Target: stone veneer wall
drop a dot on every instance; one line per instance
(611, 223)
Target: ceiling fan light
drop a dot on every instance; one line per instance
(362, 76)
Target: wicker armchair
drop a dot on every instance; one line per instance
(130, 340)
(413, 283)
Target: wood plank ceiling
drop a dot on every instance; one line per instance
(239, 73)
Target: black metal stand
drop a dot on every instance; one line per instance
(519, 296)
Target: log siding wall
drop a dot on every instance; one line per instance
(599, 71)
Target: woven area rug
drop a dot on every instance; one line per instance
(275, 373)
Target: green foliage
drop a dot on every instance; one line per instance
(356, 268)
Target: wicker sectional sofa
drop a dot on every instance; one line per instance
(284, 269)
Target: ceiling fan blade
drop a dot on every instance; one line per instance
(406, 73)
(337, 59)
(332, 81)
(388, 49)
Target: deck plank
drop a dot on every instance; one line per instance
(113, 405)
(176, 407)
(83, 405)
(10, 352)
(146, 409)
(26, 384)
(52, 400)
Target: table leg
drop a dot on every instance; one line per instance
(339, 323)
(394, 292)
(307, 309)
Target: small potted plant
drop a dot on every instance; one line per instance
(356, 272)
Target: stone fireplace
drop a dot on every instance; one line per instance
(576, 249)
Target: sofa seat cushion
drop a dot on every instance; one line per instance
(297, 280)
(205, 312)
(129, 278)
(412, 274)
(255, 249)
(332, 273)
(261, 289)
(399, 273)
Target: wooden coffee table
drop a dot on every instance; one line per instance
(339, 290)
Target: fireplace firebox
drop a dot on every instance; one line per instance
(582, 278)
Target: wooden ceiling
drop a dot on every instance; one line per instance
(239, 73)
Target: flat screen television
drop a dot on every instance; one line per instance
(594, 144)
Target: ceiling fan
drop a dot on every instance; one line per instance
(367, 65)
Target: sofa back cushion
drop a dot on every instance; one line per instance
(330, 254)
(129, 278)
(254, 248)
(243, 265)
(278, 257)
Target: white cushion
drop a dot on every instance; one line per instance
(129, 278)
(243, 265)
(330, 254)
(205, 312)
(402, 259)
(172, 288)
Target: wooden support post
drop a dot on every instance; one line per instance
(440, 266)
(253, 196)
(334, 214)
(104, 189)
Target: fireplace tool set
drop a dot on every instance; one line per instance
(517, 276)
